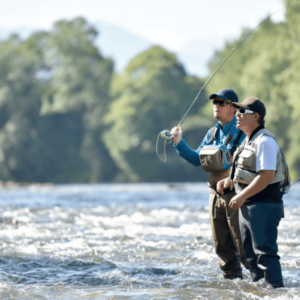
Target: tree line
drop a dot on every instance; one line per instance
(66, 116)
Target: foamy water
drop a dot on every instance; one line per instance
(131, 241)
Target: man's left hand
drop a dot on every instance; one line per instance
(236, 202)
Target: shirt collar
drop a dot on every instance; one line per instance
(256, 130)
(227, 126)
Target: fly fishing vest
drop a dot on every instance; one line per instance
(245, 160)
(216, 158)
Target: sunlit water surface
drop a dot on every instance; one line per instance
(131, 241)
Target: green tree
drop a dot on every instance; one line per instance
(80, 83)
(152, 94)
(291, 78)
(19, 110)
(53, 97)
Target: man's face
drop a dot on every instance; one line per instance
(243, 121)
(223, 112)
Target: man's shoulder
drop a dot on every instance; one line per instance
(211, 130)
(265, 141)
(216, 126)
(265, 138)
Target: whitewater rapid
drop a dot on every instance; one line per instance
(126, 241)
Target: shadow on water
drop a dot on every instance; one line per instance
(73, 272)
(153, 271)
(54, 272)
(119, 282)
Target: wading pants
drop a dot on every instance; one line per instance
(258, 225)
(226, 233)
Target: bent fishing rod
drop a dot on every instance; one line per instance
(166, 134)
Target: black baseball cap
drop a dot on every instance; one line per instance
(226, 94)
(253, 104)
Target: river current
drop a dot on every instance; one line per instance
(126, 241)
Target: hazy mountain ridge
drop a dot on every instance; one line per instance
(122, 45)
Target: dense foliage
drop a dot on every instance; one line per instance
(54, 90)
(65, 116)
(151, 95)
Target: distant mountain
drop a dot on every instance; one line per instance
(112, 41)
(22, 32)
(122, 46)
(196, 54)
(119, 44)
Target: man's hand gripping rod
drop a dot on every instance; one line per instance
(166, 134)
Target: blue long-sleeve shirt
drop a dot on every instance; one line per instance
(192, 156)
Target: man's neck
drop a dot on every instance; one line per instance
(250, 131)
(222, 123)
(225, 122)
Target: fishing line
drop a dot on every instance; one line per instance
(224, 60)
(288, 187)
(164, 160)
(166, 134)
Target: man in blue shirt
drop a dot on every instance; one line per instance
(224, 220)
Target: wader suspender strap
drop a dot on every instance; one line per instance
(212, 134)
(236, 142)
(230, 137)
(232, 171)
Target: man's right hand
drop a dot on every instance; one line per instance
(176, 135)
(224, 184)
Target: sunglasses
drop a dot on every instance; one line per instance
(221, 103)
(244, 111)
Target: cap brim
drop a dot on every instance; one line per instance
(213, 96)
(239, 105)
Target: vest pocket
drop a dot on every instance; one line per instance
(244, 176)
(247, 158)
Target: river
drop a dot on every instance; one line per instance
(126, 241)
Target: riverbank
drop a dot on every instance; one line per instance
(4, 185)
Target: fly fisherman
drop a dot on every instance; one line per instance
(258, 171)
(214, 154)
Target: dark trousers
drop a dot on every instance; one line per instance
(226, 233)
(258, 226)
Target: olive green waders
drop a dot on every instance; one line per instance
(226, 233)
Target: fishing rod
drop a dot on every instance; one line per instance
(287, 188)
(166, 134)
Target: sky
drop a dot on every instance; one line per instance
(173, 24)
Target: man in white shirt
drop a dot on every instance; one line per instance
(257, 172)
(267, 153)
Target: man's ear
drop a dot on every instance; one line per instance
(233, 109)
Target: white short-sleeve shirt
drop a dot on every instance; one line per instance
(266, 153)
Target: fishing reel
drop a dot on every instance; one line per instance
(167, 136)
